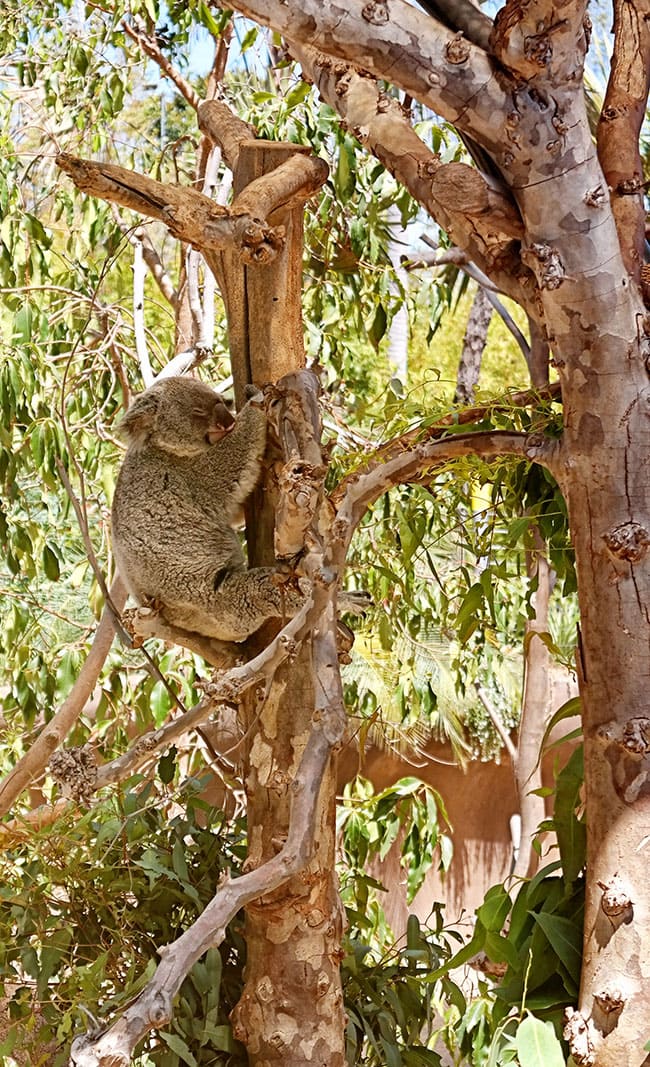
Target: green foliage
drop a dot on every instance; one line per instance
(389, 1001)
(118, 883)
(535, 938)
(410, 812)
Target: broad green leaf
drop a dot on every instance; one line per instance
(565, 938)
(495, 909)
(537, 1044)
(177, 1045)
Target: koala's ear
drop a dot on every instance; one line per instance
(137, 424)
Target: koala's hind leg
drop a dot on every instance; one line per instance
(246, 599)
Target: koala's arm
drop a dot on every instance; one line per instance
(239, 455)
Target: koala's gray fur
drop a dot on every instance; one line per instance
(186, 474)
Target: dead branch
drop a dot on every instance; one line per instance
(227, 688)
(294, 180)
(33, 763)
(188, 214)
(295, 415)
(225, 129)
(483, 220)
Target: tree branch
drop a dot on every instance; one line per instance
(35, 760)
(152, 259)
(360, 489)
(619, 127)
(539, 38)
(225, 129)
(460, 259)
(403, 45)
(479, 218)
(153, 1007)
(462, 15)
(150, 47)
(187, 213)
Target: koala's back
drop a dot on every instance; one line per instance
(171, 524)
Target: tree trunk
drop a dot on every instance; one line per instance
(291, 1009)
(474, 343)
(534, 715)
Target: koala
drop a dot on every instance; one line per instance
(188, 469)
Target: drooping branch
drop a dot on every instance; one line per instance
(33, 763)
(399, 43)
(483, 220)
(620, 124)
